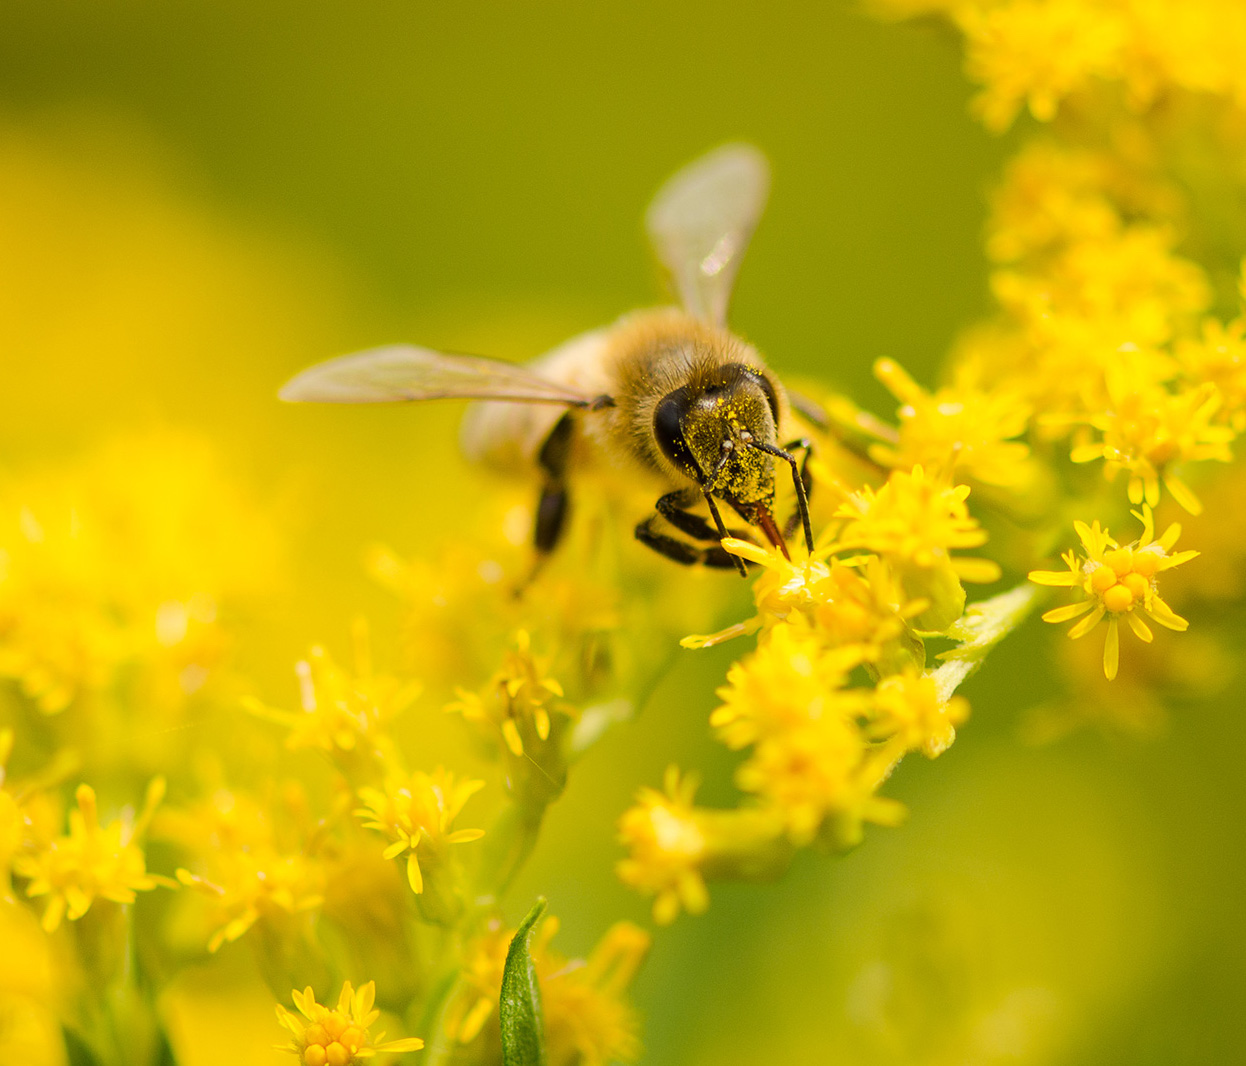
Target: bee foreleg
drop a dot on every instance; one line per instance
(674, 508)
(681, 551)
(806, 481)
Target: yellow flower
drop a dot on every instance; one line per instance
(416, 815)
(74, 623)
(821, 777)
(915, 518)
(674, 846)
(1052, 196)
(1218, 356)
(480, 979)
(908, 708)
(913, 523)
(1036, 52)
(338, 1036)
(588, 1022)
(788, 682)
(846, 606)
(255, 865)
(1117, 582)
(92, 861)
(956, 431)
(340, 712)
(517, 701)
(863, 605)
(667, 848)
(1149, 431)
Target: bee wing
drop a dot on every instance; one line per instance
(404, 372)
(701, 220)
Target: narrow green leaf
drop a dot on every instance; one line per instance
(523, 1030)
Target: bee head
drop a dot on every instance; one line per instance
(707, 429)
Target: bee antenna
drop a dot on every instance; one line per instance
(802, 498)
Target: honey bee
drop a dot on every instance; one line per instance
(668, 394)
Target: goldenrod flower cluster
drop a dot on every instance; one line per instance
(1119, 338)
(832, 698)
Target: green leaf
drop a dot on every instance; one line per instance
(523, 1030)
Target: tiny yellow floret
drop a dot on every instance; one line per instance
(338, 1036)
(1117, 582)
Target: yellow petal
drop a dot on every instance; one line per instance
(414, 878)
(1139, 627)
(1065, 578)
(1087, 624)
(1159, 611)
(977, 571)
(1180, 492)
(1111, 650)
(1072, 610)
(410, 1043)
(463, 836)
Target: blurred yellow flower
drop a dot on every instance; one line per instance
(340, 712)
(116, 571)
(963, 432)
(1036, 53)
(252, 865)
(92, 861)
(909, 709)
(667, 848)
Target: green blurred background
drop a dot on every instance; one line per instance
(198, 198)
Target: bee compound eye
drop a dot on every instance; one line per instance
(772, 401)
(668, 431)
